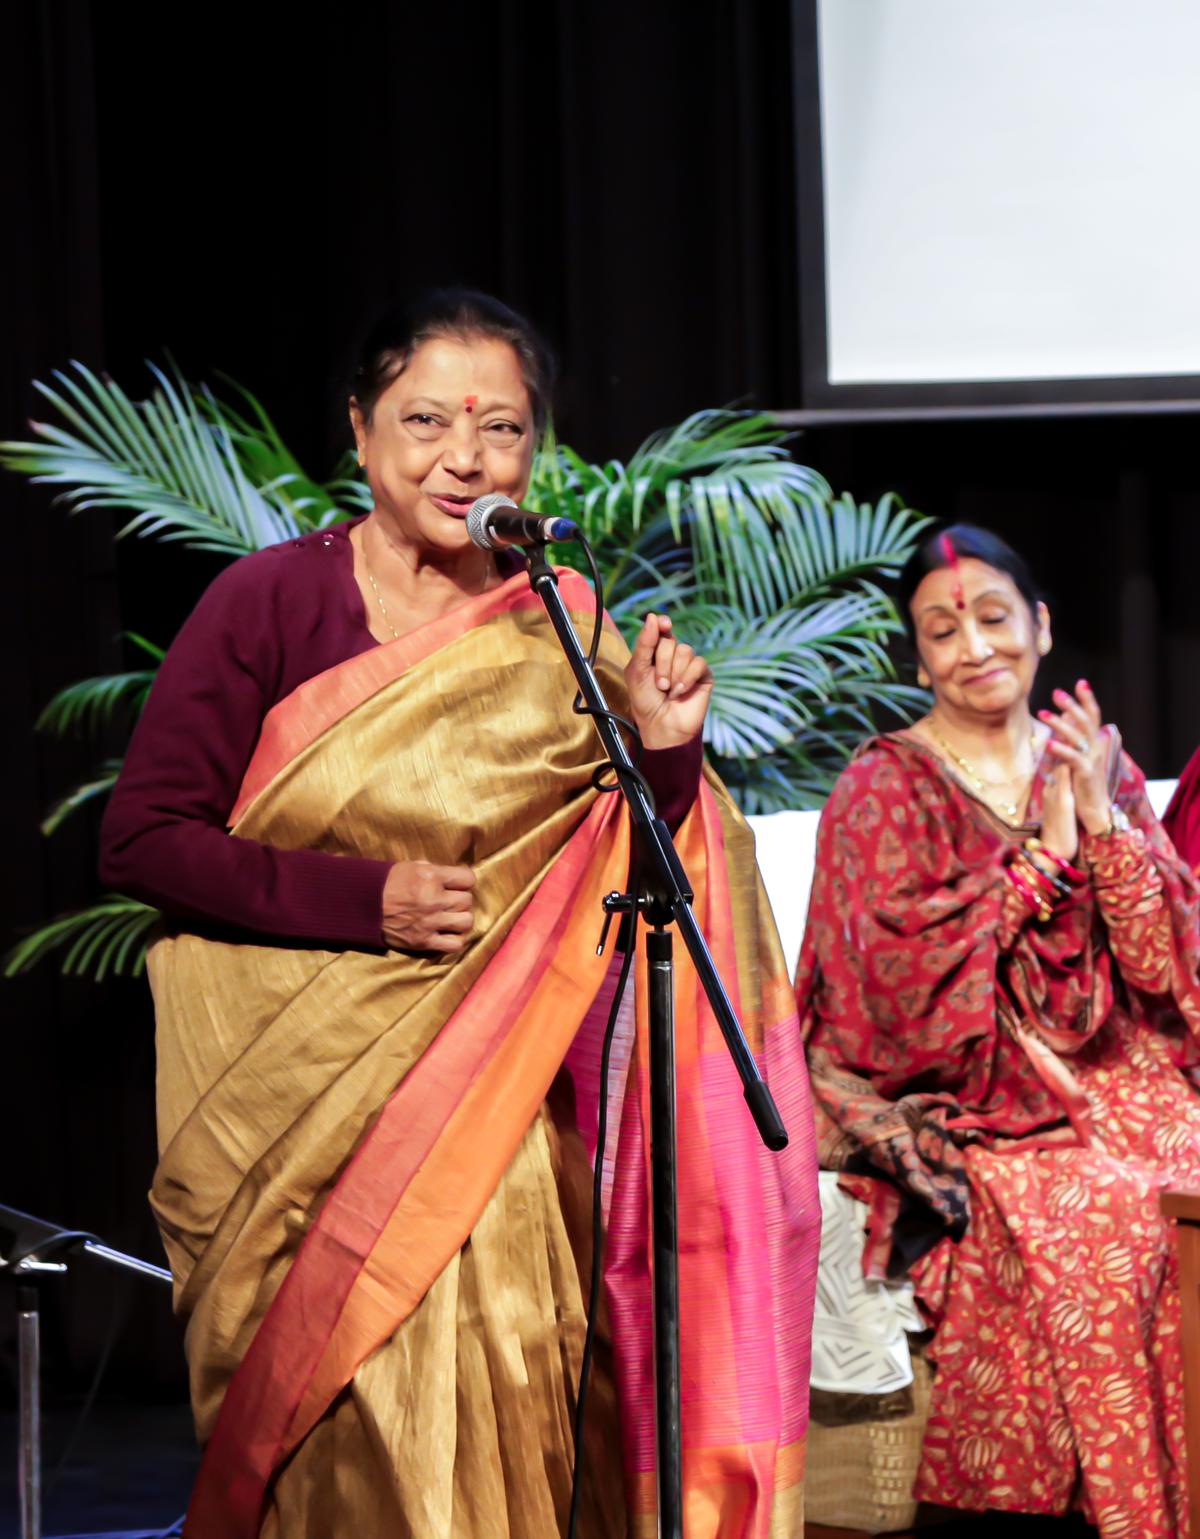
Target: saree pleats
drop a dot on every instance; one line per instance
(375, 1181)
(460, 1425)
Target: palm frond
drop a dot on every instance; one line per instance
(172, 461)
(765, 571)
(268, 461)
(90, 705)
(611, 500)
(101, 785)
(108, 938)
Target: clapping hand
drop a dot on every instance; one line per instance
(1078, 742)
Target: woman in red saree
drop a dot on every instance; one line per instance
(379, 1007)
(1182, 818)
(998, 993)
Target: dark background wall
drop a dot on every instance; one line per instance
(243, 188)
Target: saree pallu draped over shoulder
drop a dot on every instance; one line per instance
(1019, 1093)
(374, 1184)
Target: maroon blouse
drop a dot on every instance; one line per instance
(269, 622)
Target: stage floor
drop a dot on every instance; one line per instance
(130, 1470)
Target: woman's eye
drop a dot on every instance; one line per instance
(994, 619)
(423, 424)
(505, 429)
(940, 635)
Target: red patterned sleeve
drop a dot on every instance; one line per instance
(1147, 898)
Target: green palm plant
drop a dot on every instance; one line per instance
(768, 574)
(774, 579)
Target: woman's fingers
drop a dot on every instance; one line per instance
(445, 944)
(1087, 698)
(1069, 731)
(681, 661)
(428, 907)
(645, 645)
(454, 922)
(690, 677)
(455, 878)
(1074, 716)
(665, 653)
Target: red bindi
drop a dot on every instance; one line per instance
(951, 556)
(469, 402)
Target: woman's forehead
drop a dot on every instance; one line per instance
(937, 588)
(463, 365)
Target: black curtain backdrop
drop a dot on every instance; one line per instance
(242, 189)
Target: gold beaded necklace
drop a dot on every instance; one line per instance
(489, 581)
(375, 586)
(378, 595)
(1009, 810)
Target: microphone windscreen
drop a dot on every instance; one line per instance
(477, 518)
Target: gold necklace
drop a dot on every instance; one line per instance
(1008, 810)
(378, 595)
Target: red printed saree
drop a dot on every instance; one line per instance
(375, 1182)
(1026, 1090)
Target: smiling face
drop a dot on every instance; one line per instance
(454, 424)
(979, 659)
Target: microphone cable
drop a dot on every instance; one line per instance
(581, 707)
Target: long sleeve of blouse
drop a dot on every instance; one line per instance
(1130, 897)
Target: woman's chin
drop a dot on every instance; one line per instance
(993, 699)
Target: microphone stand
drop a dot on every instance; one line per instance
(31, 1251)
(665, 898)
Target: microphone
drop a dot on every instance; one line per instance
(494, 521)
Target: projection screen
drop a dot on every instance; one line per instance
(1002, 193)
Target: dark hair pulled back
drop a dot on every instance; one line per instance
(965, 540)
(464, 314)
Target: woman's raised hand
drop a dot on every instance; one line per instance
(669, 685)
(1060, 827)
(1076, 741)
(428, 907)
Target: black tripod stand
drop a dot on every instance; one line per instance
(30, 1251)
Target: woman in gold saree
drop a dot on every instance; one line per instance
(377, 1112)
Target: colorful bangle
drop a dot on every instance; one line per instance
(1072, 873)
(1034, 899)
(1051, 883)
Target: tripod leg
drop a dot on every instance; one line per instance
(29, 1456)
(666, 1233)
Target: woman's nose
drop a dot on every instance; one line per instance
(461, 454)
(979, 648)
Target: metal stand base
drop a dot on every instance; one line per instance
(30, 1246)
(29, 1448)
(668, 1413)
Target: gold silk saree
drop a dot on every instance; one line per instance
(375, 1184)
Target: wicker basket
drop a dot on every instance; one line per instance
(860, 1472)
